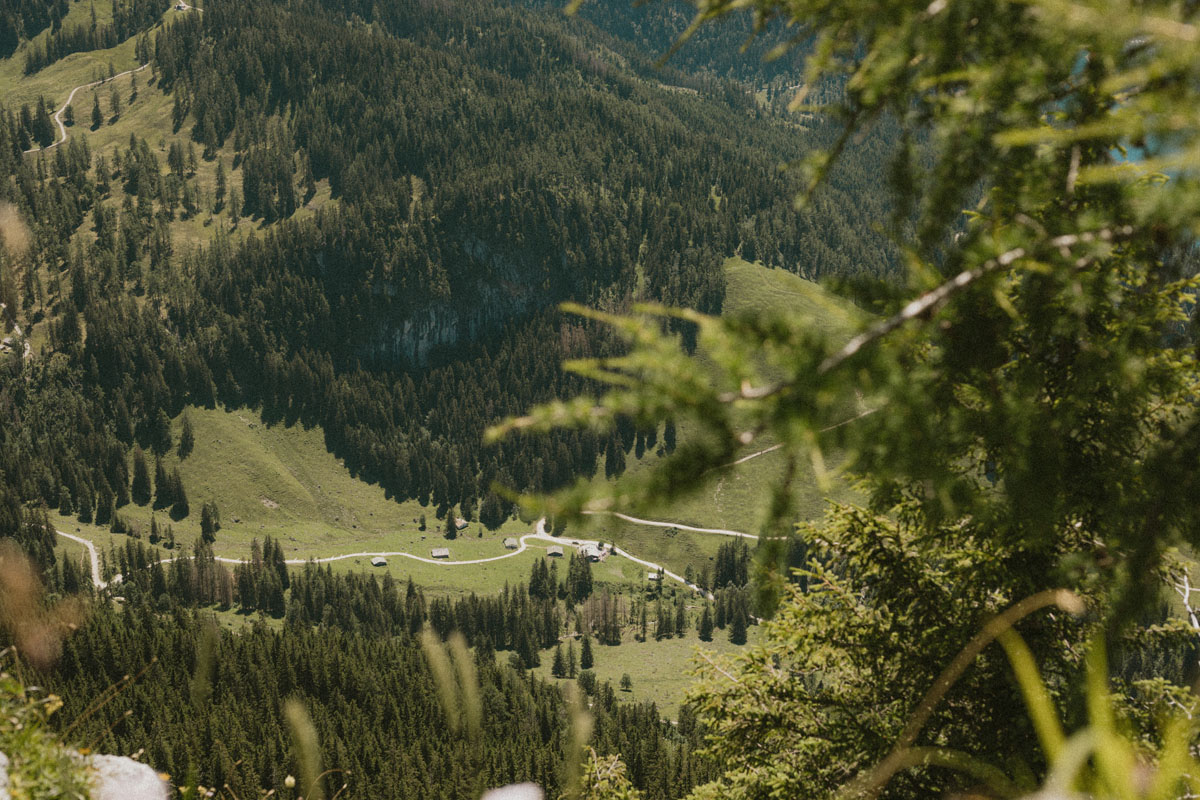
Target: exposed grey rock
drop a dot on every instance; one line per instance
(119, 778)
(515, 791)
(3, 777)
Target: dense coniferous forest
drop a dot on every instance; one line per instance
(348, 649)
(129, 19)
(209, 709)
(485, 162)
(479, 179)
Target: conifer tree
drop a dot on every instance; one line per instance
(97, 115)
(559, 668)
(208, 523)
(161, 434)
(706, 625)
(140, 489)
(85, 504)
(572, 662)
(585, 654)
(179, 505)
(737, 630)
(163, 490)
(187, 438)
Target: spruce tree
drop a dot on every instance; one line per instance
(187, 438)
(163, 489)
(737, 630)
(559, 668)
(706, 625)
(161, 434)
(97, 115)
(585, 654)
(208, 524)
(179, 506)
(140, 490)
(571, 660)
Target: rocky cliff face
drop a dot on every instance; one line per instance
(502, 287)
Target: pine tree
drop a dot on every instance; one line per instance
(160, 438)
(208, 523)
(43, 127)
(163, 490)
(559, 667)
(706, 625)
(85, 504)
(737, 629)
(585, 654)
(179, 508)
(221, 188)
(662, 626)
(187, 438)
(140, 490)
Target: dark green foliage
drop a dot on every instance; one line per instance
(43, 128)
(187, 438)
(179, 499)
(559, 668)
(370, 698)
(737, 630)
(140, 489)
(586, 661)
(210, 521)
(129, 18)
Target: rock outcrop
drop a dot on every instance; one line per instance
(112, 778)
(120, 778)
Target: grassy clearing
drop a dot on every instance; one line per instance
(753, 287)
(281, 482)
(56, 81)
(661, 671)
(735, 498)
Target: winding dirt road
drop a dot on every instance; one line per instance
(680, 526)
(539, 534)
(91, 548)
(62, 129)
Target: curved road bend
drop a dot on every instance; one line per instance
(62, 129)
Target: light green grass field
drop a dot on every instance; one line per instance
(57, 80)
(660, 671)
(735, 498)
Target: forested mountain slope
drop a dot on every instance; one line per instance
(486, 162)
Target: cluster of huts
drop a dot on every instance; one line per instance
(587, 550)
